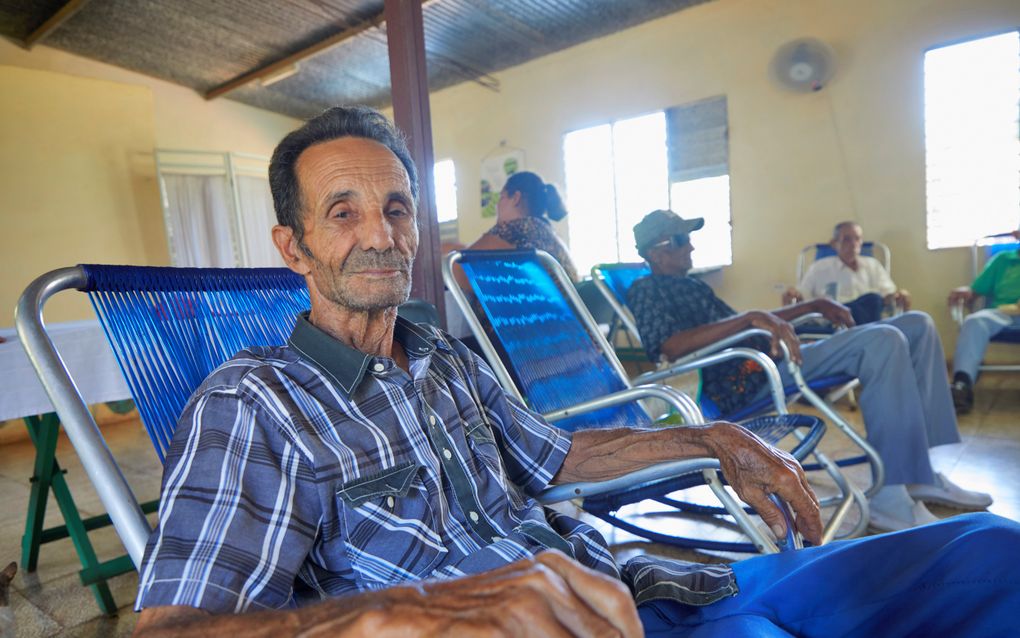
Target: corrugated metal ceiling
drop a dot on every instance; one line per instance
(203, 43)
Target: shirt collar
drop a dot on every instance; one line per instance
(347, 365)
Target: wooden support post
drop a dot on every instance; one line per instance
(62, 15)
(410, 91)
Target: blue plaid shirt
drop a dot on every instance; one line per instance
(314, 470)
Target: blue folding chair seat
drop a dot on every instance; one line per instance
(560, 359)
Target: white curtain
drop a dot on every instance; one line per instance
(257, 220)
(198, 216)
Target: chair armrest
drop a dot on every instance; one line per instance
(807, 318)
(958, 311)
(724, 343)
(669, 469)
(686, 406)
(762, 359)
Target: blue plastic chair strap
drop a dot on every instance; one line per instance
(826, 250)
(170, 327)
(620, 277)
(553, 356)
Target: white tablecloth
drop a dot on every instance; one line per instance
(85, 351)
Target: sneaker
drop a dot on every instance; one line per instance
(963, 393)
(894, 521)
(945, 492)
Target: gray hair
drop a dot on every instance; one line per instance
(334, 123)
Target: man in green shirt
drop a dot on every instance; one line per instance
(999, 283)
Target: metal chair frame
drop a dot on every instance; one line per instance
(868, 249)
(127, 516)
(646, 383)
(824, 404)
(832, 394)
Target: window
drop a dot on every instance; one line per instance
(971, 114)
(617, 173)
(217, 208)
(445, 179)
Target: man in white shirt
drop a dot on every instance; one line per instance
(859, 282)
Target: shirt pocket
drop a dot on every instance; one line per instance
(483, 443)
(486, 452)
(389, 526)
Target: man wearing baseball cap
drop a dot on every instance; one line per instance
(905, 400)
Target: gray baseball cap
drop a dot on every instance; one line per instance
(662, 224)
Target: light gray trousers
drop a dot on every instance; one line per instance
(904, 398)
(977, 330)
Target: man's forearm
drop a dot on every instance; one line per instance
(688, 341)
(342, 617)
(549, 594)
(601, 455)
(789, 313)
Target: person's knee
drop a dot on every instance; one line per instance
(987, 534)
(916, 321)
(887, 337)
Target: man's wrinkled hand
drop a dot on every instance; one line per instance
(791, 295)
(962, 295)
(899, 298)
(781, 331)
(755, 469)
(549, 595)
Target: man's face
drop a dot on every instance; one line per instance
(360, 224)
(671, 255)
(848, 242)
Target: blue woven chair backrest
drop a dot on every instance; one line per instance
(620, 277)
(171, 327)
(992, 250)
(555, 359)
(826, 250)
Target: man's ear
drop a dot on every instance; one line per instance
(287, 244)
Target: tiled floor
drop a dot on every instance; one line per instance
(51, 602)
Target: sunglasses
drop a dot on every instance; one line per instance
(677, 241)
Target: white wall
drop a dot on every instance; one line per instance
(798, 162)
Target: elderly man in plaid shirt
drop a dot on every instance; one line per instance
(371, 477)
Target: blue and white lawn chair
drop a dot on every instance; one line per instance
(614, 280)
(562, 367)
(813, 252)
(170, 327)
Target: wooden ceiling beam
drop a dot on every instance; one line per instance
(292, 59)
(51, 24)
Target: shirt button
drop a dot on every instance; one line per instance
(432, 420)
(389, 501)
(447, 453)
(473, 516)
(378, 367)
(496, 539)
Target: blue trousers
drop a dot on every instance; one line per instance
(958, 577)
(977, 330)
(904, 398)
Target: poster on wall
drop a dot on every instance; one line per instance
(496, 168)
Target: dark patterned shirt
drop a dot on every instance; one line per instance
(663, 305)
(535, 233)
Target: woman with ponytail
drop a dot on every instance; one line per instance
(526, 204)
